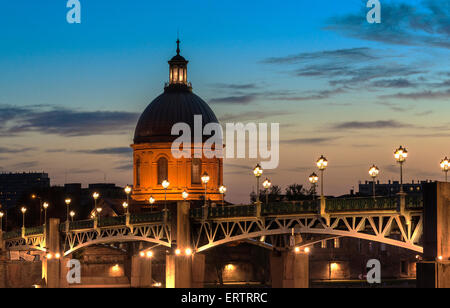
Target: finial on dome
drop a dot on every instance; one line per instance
(178, 46)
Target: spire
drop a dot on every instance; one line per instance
(178, 46)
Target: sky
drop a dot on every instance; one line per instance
(71, 94)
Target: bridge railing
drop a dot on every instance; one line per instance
(148, 217)
(414, 202)
(12, 234)
(137, 218)
(361, 204)
(293, 207)
(34, 230)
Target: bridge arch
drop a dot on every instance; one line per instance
(123, 239)
(376, 228)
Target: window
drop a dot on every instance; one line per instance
(196, 171)
(162, 170)
(138, 172)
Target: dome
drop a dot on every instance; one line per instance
(173, 106)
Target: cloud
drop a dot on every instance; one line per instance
(425, 24)
(232, 86)
(6, 150)
(124, 167)
(394, 83)
(251, 115)
(420, 95)
(319, 140)
(353, 54)
(25, 165)
(63, 121)
(395, 107)
(350, 68)
(317, 95)
(424, 113)
(370, 125)
(239, 99)
(126, 151)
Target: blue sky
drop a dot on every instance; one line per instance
(70, 94)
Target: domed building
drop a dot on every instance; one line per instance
(152, 156)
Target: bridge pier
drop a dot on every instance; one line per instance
(141, 272)
(289, 269)
(51, 267)
(434, 270)
(184, 270)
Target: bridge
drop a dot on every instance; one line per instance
(397, 221)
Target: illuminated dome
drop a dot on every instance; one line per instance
(176, 104)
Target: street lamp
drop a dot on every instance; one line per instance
(45, 206)
(1, 221)
(95, 195)
(205, 180)
(400, 156)
(373, 172)
(165, 184)
(151, 200)
(68, 201)
(72, 215)
(125, 206)
(185, 195)
(266, 184)
(223, 190)
(313, 179)
(128, 191)
(99, 210)
(322, 164)
(257, 171)
(444, 166)
(23, 210)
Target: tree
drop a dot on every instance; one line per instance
(295, 192)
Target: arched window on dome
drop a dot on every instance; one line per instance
(138, 172)
(162, 170)
(196, 171)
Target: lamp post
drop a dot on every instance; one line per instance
(185, 195)
(322, 164)
(223, 190)
(34, 196)
(125, 206)
(165, 184)
(373, 172)
(45, 206)
(205, 180)
(151, 200)
(257, 171)
(400, 156)
(313, 179)
(266, 184)
(23, 210)
(99, 210)
(444, 166)
(72, 215)
(127, 190)
(68, 201)
(95, 195)
(1, 221)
